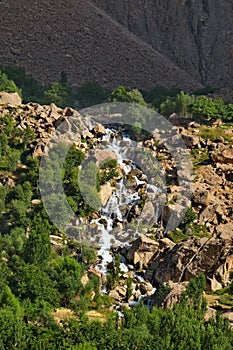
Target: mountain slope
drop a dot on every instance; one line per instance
(195, 35)
(47, 37)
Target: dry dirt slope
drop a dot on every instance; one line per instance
(49, 36)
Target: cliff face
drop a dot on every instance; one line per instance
(195, 35)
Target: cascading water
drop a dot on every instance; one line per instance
(122, 199)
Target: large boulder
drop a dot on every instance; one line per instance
(201, 193)
(12, 99)
(191, 141)
(142, 251)
(189, 258)
(223, 155)
(102, 155)
(225, 230)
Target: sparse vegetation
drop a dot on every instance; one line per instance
(215, 133)
(199, 157)
(108, 171)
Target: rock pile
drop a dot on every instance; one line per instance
(189, 258)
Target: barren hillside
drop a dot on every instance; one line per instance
(47, 37)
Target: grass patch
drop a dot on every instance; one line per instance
(197, 231)
(212, 134)
(222, 291)
(177, 236)
(226, 300)
(199, 157)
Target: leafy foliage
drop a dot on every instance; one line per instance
(122, 94)
(7, 84)
(58, 94)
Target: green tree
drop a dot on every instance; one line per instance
(63, 78)
(73, 159)
(38, 247)
(12, 330)
(89, 185)
(90, 94)
(228, 114)
(58, 94)
(65, 272)
(119, 94)
(8, 84)
(30, 282)
(122, 94)
(180, 104)
(204, 108)
(135, 96)
(31, 90)
(183, 103)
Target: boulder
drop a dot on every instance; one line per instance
(174, 295)
(137, 294)
(229, 316)
(12, 99)
(118, 293)
(210, 313)
(121, 291)
(145, 288)
(85, 279)
(213, 284)
(208, 214)
(142, 251)
(87, 134)
(103, 155)
(223, 156)
(99, 129)
(191, 141)
(106, 191)
(201, 194)
(225, 230)
(166, 243)
(189, 258)
(148, 213)
(208, 175)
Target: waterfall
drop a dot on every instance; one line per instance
(122, 200)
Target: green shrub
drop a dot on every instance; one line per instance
(8, 84)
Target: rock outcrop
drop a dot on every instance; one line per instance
(142, 251)
(192, 34)
(12, 99)
(187, 259)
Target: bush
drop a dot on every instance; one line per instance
(122, 94)
(204, 108)
(58, 94)
(179, 105)
(89, 94)
(108, 171)
(31, 90)
(8, 84)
